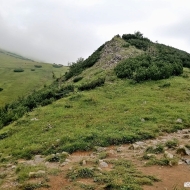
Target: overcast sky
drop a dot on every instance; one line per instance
(60, 31)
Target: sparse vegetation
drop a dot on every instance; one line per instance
(81, 172)
(172, 143)
(38, 66)
(76, 79)
(19, 70)
(162, 161)
(92, 84)
(57, 65)
(156, 149)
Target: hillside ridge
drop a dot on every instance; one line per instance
(99, 124)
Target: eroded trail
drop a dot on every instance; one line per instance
(167, 158)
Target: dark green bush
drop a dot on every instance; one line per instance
(139, 43)
(137, 40)
(144, 67)
(172, 143)
(13, 111)
(32, 69)
(1, 89)
(57, 65)
(18, 70)
(38, 66)
(76, 79)
(92, 85)
(155, 150)
(3, 135)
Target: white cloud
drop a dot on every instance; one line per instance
(61, 31)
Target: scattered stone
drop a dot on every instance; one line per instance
(38, 159)
(187, 161)
(183, 150)
(186, 137)
(140, 143)
(138, 146)
(103, 164)
(187, 151)
(37, 174)
(84, 162)
(180, 162)
(150, 155)
(119, 149)
(142, 120)
(65, 153)
(179, 120)
(34, 119)
(168, 155)
(185, 131)
(63, 164)
(100, 149)
(67, 160)
(13, 167)
(112, 151)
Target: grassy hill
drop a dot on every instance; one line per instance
(15, 84)
(104, 109)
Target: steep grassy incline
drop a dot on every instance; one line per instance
(118, 112)
(34, 76)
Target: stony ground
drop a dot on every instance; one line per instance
(172, 174)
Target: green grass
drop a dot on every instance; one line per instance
(123, 175)
(16, 84)
(107, 115)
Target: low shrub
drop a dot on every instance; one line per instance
(1, 89)
(155, 149)
(38, 66)
(56, 157)
(92, 85)
(172, 143)
(18, 70)
(80, 172)
(32, 69)
(163, 162)
(76, 79)
(165, 85)
(3, 135)
(13, 111)
(57, 65)
(144, 67)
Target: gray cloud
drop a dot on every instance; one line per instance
(60, 31)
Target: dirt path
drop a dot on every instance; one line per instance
(171, 175)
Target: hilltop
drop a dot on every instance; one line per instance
(98, 125)
(20, 76)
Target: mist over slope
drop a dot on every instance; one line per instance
(20, 76)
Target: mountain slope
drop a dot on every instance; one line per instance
(15, 84)
(112, 111)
